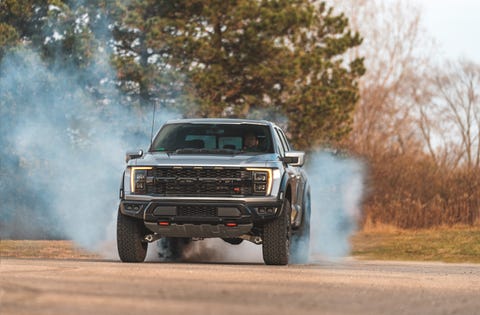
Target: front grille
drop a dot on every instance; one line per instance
(197, 211)
(201, 173)
(190, 181)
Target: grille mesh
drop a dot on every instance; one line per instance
(197, 211)
(199, 182)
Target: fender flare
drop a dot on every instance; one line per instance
(284, 185)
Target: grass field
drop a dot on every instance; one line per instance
(458, 244)
(43, 249)
(446, 244)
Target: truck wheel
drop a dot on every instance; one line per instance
(130, 244)
(276, 238)
(300, 247)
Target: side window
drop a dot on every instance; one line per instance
(282, 146)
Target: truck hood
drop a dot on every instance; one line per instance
(164, 159)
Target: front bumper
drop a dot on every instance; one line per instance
(199, 230)
(201, 216)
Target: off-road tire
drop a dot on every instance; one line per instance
(276, 238)
(130, 239)
(300, 244)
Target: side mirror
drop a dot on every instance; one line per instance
(133, 155)
(294, 158)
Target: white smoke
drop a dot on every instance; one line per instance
(69, 148)
(337, 188)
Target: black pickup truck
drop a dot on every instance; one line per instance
(225, 178)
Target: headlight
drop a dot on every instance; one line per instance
(138, 176)
(262, 180)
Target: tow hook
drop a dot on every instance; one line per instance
(151, 237)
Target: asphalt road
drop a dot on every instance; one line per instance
(34, 286)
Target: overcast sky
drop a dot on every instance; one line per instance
(455, 24)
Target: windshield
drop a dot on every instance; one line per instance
(213, 138)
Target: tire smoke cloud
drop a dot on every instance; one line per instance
(337, 187)
(62, 150)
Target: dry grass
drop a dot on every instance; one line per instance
(43, 249)
(412, 191)
(447, 244)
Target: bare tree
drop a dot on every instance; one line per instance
(396, 51)
(417, 120)
(457, 105)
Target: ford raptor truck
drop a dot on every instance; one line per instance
(232, 179)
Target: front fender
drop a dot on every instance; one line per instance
(284, 184)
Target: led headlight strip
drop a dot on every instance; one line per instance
(268, 179)
(132, 175)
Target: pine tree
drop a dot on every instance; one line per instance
(247, 58)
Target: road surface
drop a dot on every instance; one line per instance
(54, 286)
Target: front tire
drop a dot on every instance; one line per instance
(130, 239)
(276, 238)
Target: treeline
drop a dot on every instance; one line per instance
(417, 122)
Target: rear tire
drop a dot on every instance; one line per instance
(276, 238)
(130, 239)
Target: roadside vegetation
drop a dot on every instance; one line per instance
(45, 249)
(416, 124)
(460, 244)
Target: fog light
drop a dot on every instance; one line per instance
(260, 187)
(133, 207)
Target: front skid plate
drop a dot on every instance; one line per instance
(199, 230)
